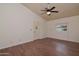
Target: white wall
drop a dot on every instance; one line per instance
(41, 31)
(73, 29)
(16, 25)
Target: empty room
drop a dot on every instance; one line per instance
(39, 29)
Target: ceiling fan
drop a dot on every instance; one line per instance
(49, 10)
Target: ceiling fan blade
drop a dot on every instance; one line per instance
(55, 11)
(52, 8)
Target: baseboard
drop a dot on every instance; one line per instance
(18, 43)
(62, 40)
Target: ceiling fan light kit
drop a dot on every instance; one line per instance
(49, 10)
(48, 13)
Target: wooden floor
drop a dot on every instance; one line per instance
(43, 47)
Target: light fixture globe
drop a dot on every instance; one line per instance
(48, 13)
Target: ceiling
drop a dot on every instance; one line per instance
(65, 9)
